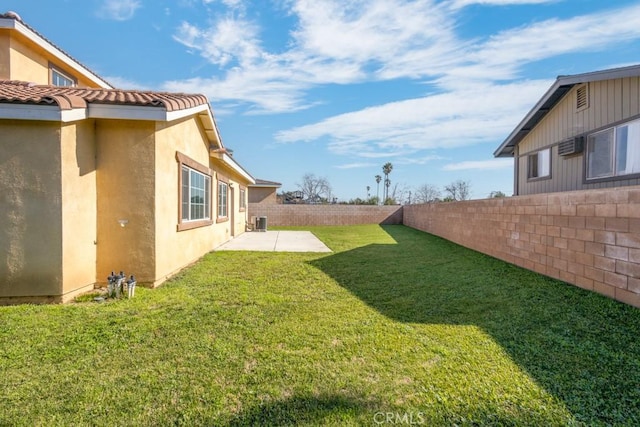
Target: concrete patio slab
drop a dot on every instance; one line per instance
(275, 241)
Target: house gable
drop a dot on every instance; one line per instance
(27, 55)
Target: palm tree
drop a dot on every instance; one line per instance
(386, 170)
(378, 179)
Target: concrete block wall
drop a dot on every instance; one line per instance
(590, 238)
(301, 215)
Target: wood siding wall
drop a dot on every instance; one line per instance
(610, 101)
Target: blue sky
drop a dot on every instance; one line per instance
(337, 88)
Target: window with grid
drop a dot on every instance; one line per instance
(195, 195)
(223, 189)
(60, 79)
(243, 198)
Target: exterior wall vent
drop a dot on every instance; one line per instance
(571, 146)
(582, 97)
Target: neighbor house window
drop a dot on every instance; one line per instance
(58, 78)
(614, 151)
(243, 199)
(223, 199)
(539, 164)
(194, 194)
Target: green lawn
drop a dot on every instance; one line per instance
(395, 325)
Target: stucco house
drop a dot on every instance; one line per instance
(584, 133)
(95, 179)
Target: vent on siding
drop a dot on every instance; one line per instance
(582, 98)
(571, 146)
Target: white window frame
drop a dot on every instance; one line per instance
(193, 179)
(223, 199)
(56, 74)
(196, 195)
(243, 198)
(539, 164)
(622, 144)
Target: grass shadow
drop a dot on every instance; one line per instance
(304, 410)
(581, 347)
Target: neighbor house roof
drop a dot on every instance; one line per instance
(556, 92)
(12, 21)
(265, 183)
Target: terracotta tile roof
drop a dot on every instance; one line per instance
(74, 97)
(16, 17)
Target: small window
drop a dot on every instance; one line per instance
(539, 164)
(582, 97)
(614, 151)
(223, 190)
(58, 78)
(243, 199)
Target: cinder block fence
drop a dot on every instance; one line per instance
(590, 238)
(301, 215)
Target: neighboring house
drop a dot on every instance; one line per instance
(264, 191)
(583, 133)
(95, 179)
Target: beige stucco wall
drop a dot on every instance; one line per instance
(65, 188)
(125, 190)
(79, 214)
(4, 54)
(263, 195)
(176, 249)
(27, 63)
(30, 209)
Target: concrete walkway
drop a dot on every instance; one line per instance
(279, 241)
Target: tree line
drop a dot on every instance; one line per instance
(317, 190)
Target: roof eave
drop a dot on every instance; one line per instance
(232, 164)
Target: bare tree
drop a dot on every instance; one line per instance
(458, 190)
(426, 193)
(398, 195)
(315, 189)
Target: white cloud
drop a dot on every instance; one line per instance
(356, 165)
(492, 164)
(456, 4)
(229, 39)
(374, 40)
(338, 43)
(119, 10)
(445, 120)
(331, 45)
